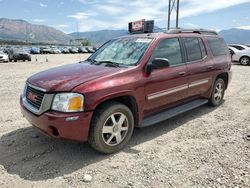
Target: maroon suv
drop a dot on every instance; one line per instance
(132, 81)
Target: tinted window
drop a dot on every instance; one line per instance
(169, 49)
(193, 49)
(218, 46)
(238, 47)
(203, 49)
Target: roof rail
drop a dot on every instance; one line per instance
(199, 31)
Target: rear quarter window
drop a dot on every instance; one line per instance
(218, 46)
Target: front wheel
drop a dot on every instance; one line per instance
(111, 127)
(217, 96)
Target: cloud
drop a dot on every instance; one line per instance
(191, 25)
(115, 14)
(62, 26)
(43, 5)
(38, 20)
(245, 27)
(194, 7)
(60, 4)
(80, 16)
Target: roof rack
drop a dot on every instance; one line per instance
(199, 31)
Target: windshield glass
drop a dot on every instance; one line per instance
(126, 51)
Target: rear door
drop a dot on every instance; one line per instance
(199, 66)
(166, 86)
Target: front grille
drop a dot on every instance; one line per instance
(34, 97)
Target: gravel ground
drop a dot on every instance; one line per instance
(206, 147)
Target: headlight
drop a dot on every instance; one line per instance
(68, 102)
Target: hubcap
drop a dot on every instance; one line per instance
(244, 61)
(218, 92)
(115, 129)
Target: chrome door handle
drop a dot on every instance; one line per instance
(210, 67)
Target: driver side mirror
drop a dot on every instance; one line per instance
(157, 63)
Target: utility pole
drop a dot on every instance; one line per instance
(173, 7)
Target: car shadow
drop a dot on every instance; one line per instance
(33, 156)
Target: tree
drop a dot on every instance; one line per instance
(85, 42)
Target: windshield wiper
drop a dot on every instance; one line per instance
(92, 61)
(108, 63)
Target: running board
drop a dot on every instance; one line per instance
(172, 112)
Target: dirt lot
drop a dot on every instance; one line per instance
(206, 147)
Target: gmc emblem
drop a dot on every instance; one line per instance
(32, 97)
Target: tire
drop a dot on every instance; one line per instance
(218, 92)
(245, 60)
(15, 60)
(107, 135)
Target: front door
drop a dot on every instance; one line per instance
(166, 86)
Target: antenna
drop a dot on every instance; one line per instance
(174, 5)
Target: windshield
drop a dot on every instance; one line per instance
(126, 51)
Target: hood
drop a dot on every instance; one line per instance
(67, 77)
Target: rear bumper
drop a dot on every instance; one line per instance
(55, 124)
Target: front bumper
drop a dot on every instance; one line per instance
(55, 124)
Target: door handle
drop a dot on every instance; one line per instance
(182, 73)
(210, 67)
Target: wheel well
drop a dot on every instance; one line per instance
(244, 56)
(224, 76)
(128, 101)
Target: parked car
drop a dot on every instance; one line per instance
(133, 81)
(65, 50)
(18, 54)
(55, 51)
(4, 57)
(35, 50)
(46, 50)
(241, 56)
(90, 50)
(82, 50)
(73, 50)
(240, 47)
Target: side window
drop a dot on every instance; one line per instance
(169, 49)
(239, 47)
(203, 49)
(218, 46)
(193, 49)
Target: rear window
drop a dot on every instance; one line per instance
(218, 46)
(195, 49)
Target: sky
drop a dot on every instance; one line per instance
(90, 15)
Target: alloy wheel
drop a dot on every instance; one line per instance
(244, 61)
(219, 91)
(115, 129)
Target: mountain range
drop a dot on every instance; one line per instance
(21, 30)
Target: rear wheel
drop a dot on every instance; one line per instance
(111, 127)
(217, 96)
(245, 61)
